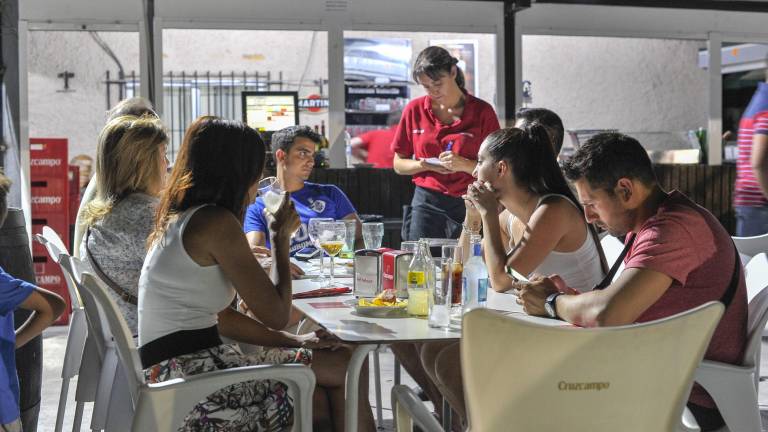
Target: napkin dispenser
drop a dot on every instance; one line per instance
(395, 271)
(367, 281)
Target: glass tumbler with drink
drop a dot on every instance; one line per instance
(332, 239)
(373, 232)
(440, 300)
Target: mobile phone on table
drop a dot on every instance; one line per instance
(517, 275)
(308, 253)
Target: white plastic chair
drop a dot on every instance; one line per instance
(628, 378)
(735, 388)
(163, 406)
(78, 329)
(751, 246)
(612, 248)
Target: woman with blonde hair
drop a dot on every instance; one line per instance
(130, 172)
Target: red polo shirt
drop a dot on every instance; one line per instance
(420, 134)
(378, 143)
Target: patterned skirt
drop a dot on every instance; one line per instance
(262, 405)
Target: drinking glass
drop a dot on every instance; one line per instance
(373, 232)
(349, 243)
(332, 238)
(440, 300)
(313, 229)
(271, 193)
(455, 274)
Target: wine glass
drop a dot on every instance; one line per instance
(271, 193)
(332, 239)
(314, 236)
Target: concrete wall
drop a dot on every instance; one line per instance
(638, 86)
(635, 85)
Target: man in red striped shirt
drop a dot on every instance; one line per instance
(751, 188)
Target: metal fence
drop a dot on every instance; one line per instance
(187, 96)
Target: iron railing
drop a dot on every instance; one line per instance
(187, 96)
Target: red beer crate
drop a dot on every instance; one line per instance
(50, 195)
(48, 157)
(48, 275)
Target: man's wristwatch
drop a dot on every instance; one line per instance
(550, 305)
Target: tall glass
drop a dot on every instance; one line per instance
(373, 233)
(453, 271)
(349, 244)
(440, 300)
(271, 193)
(332, 238)
(313, 229)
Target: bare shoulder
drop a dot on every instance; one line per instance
(210, 227)
(557, 209)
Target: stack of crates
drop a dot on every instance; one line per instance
(49, 172)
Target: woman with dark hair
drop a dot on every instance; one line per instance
(198, 260)
(436, 142)
(517, 170)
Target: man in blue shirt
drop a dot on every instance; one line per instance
(14, 294)
(294, 149)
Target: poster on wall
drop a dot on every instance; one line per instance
(466, 52)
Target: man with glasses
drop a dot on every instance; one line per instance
(294, 150)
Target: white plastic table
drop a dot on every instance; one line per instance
(367, 333)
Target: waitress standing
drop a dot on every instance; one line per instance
(436, 142)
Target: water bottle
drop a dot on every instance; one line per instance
(348, 147)
(476, 277)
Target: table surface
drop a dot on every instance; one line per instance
(344, 322)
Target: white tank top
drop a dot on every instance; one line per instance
(176, 293)
(580, 269)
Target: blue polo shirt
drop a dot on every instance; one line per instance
(312, 201)
(13, 292)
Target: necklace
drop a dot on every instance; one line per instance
(459, 104)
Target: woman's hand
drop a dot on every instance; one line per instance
(432, 167)
(319, 339)
(483, 198)
(456, 163)
(472, 217)
(285, 221)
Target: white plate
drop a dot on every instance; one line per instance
(378, 311)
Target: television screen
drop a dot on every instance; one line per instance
(270, 111)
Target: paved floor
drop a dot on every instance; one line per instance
(53, 349)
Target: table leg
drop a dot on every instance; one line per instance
(353, 384)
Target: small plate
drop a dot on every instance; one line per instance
(378, 311)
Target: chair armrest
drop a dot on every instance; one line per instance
(409, 408)
(709, 370)
(162, 406)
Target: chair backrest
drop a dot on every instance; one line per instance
(612, 248)
(756, 273)
(628, 378)
(116, 329)
(56, 249)
(54, 238)
(96, 324)
(752, 246)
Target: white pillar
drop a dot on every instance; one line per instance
(715, 125)
(336, 120)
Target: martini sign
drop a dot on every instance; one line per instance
(313, 103)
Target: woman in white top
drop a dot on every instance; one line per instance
(517, 171)
(198, 260)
